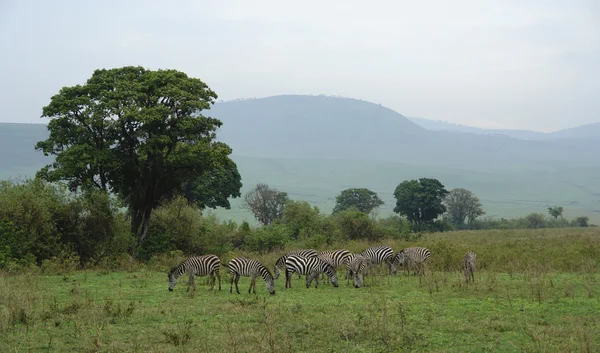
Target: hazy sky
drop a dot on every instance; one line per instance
(486, 63)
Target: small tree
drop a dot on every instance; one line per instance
(362, 199)
(265, 203)
(463, 205)
(581, 221)
(555, 211)
(421, 201)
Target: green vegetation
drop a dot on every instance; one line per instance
(462, 205)
(138, 134)
(361, 199)
(535, 290)
(420, 201)
(266, 203)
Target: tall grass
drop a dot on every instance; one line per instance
(534, 291)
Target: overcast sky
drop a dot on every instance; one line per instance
(486, 63)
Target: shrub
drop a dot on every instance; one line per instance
(354, 224)
(301, 219)
(268, 238)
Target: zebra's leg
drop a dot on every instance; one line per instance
(237, 279)
(212, 280)
(317, 280)
(288, 276)
(191, 281)
(251, 283)
(219, 277)
(231, 279)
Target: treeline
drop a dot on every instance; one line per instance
(44, 224)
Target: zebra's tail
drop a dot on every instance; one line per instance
(225, 265)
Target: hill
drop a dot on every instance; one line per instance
(579, 132)
(342, 128)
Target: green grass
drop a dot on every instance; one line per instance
(535, 291)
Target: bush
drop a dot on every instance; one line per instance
(354, 224)
(301, 219)
(268, 238)
(92, 225)
(33, 207)
(580, 221)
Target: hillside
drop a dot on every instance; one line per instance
(579, 132)
(341, 128)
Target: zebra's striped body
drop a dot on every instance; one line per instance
(280, 264)
(309, 266)
(469, 264)
(356, 267)
(334, 257)
(378, 254)
(411, 258)
(196, 266)
(241, 266)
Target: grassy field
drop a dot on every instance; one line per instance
(536, 291)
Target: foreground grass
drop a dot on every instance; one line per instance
(110, 312)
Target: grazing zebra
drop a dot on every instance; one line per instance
(409, 258)
(280, 264)
(378, 254)
(333, 257)
(241, 266)
(356, 266)
(309, 266)
(199, 266)
(469, 264)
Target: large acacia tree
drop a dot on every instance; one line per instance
(139, 134)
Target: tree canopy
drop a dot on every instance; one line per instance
(421, 201)
(139, 134)
(267, 204)
(362, 199)
(463, 205)
(555, 211)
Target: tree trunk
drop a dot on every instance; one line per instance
(140, 221)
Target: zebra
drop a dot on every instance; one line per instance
(469, 264)
(378, 254)
(281, 261)
(199, 266)
(241, 266)
(333, 257)
(411, 256)
(356, 266)
(309, 266)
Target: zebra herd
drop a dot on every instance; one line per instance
(310, 263)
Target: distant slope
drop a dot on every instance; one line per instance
(17, 153)
(318, 126)
(447, 126)
(579, 132)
